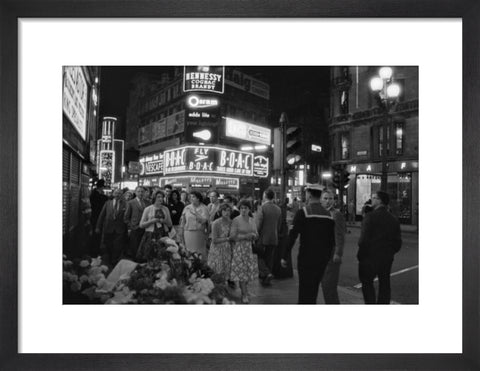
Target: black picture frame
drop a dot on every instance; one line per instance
(12, 10)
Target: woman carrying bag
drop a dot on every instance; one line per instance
(157, 223)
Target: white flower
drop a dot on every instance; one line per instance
(203, 286)
(96, 262)
(84, 279)
(84, 263)
(101, 283)
(172, 249)
(176, 256)
(103, 268)
(161, 283)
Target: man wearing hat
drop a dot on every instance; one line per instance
(316, 228)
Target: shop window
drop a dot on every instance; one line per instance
(399, 187)
(366, 185)
(345, 145)
(399, 138)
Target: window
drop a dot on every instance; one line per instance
(344, 102)
(380, 141)
(383, 141)
(345, 145)
(399, 137)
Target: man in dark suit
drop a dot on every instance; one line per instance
(380, 240)
(268, 226)
(97, 201)
(133, 215)
(114, 228)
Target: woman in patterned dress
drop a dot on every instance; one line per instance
(244, 263)
(220, 254)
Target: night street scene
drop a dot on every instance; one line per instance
(240, 185)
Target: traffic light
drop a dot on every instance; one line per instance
(337, 177)
(293, 143)
(345, 177)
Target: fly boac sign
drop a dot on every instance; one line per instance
(208, 159)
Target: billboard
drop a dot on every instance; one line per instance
(208, 159)
(204, 78)
(159, 129)
(247, 131)
(151, 164)
(175, 123)
(106, 169)
(247, 83)
(260, 166)
(202, 182)
(75, 94)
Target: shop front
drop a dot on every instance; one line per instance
(402, 186)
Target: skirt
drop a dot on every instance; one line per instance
(195, 241)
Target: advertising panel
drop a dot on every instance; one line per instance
(134, 167)
(152, 164)
(247, 83)
(204, 78)
(159, 129)
(145, 134)
(246, 131)
(106, 168)
(75, 94)
(260, 166)
(175, 123)
(209, 160)
(203, 117)
(201, 182)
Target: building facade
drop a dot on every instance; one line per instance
(370, 143)
(182, 113)
(80, 132)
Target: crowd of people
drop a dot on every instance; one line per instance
(244, 239)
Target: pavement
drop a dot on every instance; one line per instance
(403, 227)
(285, 291)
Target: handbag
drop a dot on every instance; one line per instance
(258, 248)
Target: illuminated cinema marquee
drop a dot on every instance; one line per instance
(207, 159)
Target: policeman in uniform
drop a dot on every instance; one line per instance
(316, 227)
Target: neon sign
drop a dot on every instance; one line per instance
(209, 160)
(204, 78)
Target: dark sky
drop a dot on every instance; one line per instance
(289, 85)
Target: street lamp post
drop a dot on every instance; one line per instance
(283, 171)
(387, 95)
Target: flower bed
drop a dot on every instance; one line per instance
(172, 275)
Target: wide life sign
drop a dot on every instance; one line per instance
(207, 159)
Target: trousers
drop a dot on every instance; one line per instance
(265, 262)
(330, 283)
(309, 278)
(368, 270)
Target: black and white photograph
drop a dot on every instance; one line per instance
(251, 175)
(240, 184)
